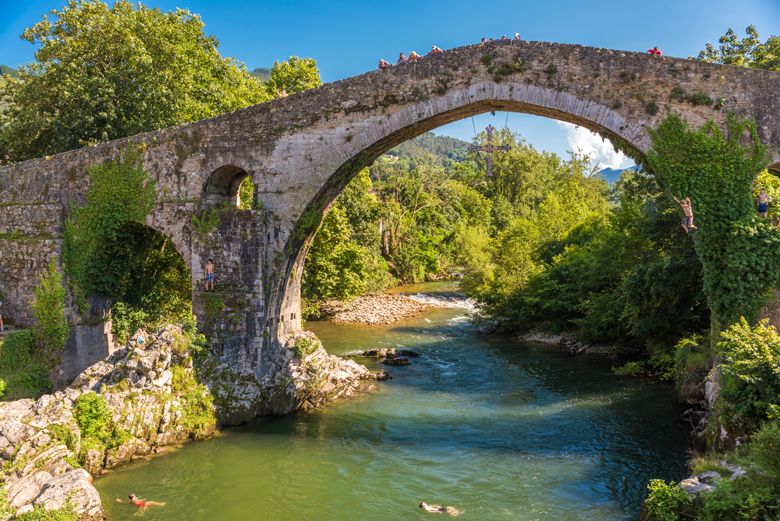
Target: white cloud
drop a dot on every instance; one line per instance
(601, 152)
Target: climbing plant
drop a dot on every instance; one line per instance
(739, 251)
(50, 329)
(109, 250)
(120, 192)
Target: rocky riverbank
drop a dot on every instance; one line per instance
(375, 308)
(141, 399)
(568, 342)
(130, 405)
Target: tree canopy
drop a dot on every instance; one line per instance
(746, 52)
(294, 75)
(104, 72)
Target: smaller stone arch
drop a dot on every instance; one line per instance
(222, 187)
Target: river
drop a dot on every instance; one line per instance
(502, 430)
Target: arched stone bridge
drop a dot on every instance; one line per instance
(301, 150)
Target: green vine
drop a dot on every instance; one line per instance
(203, 224)
(120, 193)
(739, 251)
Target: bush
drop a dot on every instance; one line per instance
(667, 501)
(304, 346)
(39, 513)
(691, 366)
(765, 449)
(750, 369)
(51, 328)
(93, 416)
(630, 369)
(744, 499)
(3, 385)
(20, 368)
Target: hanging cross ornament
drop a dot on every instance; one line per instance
(489, 148)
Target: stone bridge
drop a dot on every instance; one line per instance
(300, 151)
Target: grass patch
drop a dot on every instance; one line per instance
(23, 375)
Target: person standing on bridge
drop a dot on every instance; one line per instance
(210, 275)
(687, 208)
(763, 203)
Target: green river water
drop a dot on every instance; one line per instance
(498, 428)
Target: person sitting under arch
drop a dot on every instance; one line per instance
(687, 208)
(383, 64)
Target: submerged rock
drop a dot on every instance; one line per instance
(396, 361)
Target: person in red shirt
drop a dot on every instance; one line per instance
(140, 503)
(655, 51)
(383, 64)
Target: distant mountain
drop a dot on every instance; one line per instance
(445, 147)
(261, 73)
(611, 175)
(5, 70)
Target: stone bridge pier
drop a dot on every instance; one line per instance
(300, 152)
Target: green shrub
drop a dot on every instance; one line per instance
(691, 366)
(5, 508)
(3, 385)
(304, 346)
(197, 403)
(63, 433)
(51, 329)
(203, 224)
(20, 368)
(765, 450)
(93, 416)
(744, 499)
(39, 513)
(630, 369)
(750, 369)
(667, 501)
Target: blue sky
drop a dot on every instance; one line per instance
(348, 37)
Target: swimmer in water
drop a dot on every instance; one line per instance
(141, 503)
(438, 509)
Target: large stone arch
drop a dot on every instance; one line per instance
(417, 119)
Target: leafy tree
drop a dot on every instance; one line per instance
(51, 329)
(291, 76)
(746, 52)
(104, 72)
